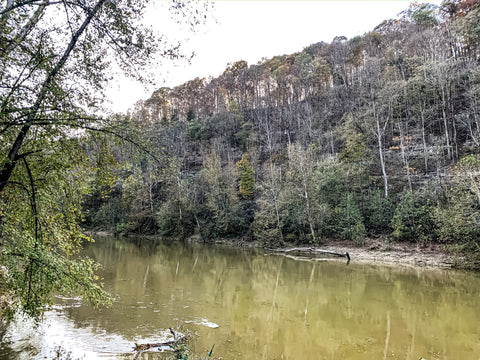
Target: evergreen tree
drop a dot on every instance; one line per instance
(349, 220)
(246, 178)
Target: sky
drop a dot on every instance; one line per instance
(250, 31)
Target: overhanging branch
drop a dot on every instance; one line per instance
(9, 166)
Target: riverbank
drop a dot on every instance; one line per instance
(376, 251)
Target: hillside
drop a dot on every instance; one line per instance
(374, 136)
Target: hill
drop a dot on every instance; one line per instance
(374, 136)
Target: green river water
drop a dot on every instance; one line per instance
(258, 305)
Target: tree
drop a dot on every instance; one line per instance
(267, 226)
(378, 214)
(349, 220)
(412, 220)
(40, 233)
(457, 218)
(222, 200)
(54, 65)
(464, 18)
(351, 117)
(178, 211)
(354, 136)
(422, 14)
(246, 178)
(378, 109)
(301, 167)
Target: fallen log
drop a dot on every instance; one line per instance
(313, 250)
(177, 338)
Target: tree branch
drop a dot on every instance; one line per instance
(33, 202)
(7, 170)
(124, 138)
(19, 4)
(25, 30)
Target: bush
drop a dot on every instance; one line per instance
(349, 220)
(171, 223)
(378, 214)
(457, 222)
(228, 224)
(412, 220)
(294, 220)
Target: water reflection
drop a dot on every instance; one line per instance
(270, 307)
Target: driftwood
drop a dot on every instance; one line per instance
(313, 250)
(177, 338)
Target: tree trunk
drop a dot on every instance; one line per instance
(309, 218)
(275, 200)
(13, 155)
(22, 34)
(404, 157)
(425, 156)
(379, 134)
(445, 122)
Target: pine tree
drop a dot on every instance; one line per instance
(246, 176)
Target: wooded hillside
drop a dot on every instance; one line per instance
(376, 135)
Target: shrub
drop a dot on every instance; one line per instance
(378, 214)
(412, 220)
(349, 220)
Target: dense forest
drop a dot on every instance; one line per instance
(374, 136)
(371, 137)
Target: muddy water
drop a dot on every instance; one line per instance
(255, 305)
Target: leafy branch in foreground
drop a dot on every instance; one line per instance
(54, 65)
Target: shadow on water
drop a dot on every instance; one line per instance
(258, 305)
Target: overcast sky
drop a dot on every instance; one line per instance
(250, 31)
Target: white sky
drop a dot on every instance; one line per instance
(251, 30)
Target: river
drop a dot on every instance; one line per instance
(257, 305)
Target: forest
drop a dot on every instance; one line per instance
(373, 137)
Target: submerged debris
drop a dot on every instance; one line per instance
(168, 345)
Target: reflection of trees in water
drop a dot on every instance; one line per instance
(270, 306)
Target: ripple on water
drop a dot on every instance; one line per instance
(43, 341)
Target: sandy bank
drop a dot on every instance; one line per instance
(375, 251)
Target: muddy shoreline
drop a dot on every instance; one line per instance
(374, 251)
(377, 252)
